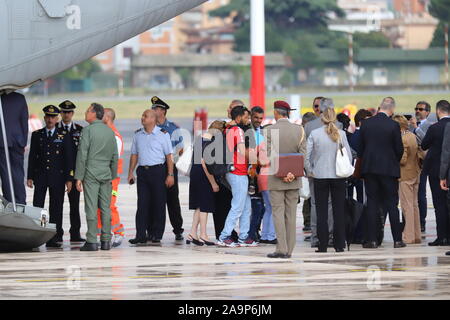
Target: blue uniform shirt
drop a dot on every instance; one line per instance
(151, 148)
(177, 139)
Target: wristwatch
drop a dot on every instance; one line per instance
(170, 174)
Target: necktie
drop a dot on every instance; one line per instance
(49, 134)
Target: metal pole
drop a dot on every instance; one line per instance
(446, 58)
(350, 60)
(8, 164)
(258, 51)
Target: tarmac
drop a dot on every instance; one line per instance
(175, 270)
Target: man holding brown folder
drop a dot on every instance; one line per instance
(286, 166)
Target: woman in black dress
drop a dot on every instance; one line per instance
(202, 187)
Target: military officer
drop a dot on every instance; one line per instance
(151, 151)
(96, 164)
(73, 130)
(50, 166)
(173, 201)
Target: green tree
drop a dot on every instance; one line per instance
(440, 9)
(371, 40)
(81, 71)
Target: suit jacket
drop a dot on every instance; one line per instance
(97, 155)
(433, 143)
(409, 164)
(315, 124)
(50, 159)
(15, 111)
(445, 156)
(291, 140)
(74, 135)
(321, 154)
(381, 146)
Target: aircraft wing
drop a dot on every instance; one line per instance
(40, 38)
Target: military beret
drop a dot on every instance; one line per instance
(282, 105)
(51, 110)
(67, 106)
(157, 102)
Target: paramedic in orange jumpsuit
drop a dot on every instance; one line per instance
(116, 227)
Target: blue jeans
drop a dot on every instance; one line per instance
(240, 207)
(268, 230)
(256, 218)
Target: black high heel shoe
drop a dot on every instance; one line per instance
(208, 243)
(190, 239)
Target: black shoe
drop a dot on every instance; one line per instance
(321, 250)
(422, 229)
(137, 241)
(340, 250)
(447, 253)
(208, 243)
(105, 245)
(190, 239)
(308, 238)
(438, 242)
(156, 241)
(274, 241)
(276, 255)
(59, 239)
(399, 244)
(89, 247)
(77, 239)
(53, 244)
(370, 245)
(179, 237)
(286, 256)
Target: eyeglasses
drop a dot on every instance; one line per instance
(420, 109)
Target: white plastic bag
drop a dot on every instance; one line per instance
(184, 163)
(304, 190)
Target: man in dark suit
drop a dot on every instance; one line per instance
(15, 111)
(381, 149)
(432, 142)
(445, 167)
(73, 130)
(50, 167)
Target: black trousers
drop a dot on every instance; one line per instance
(56, 202)
(322, 189)
(151, 204)
(16, 156)
(440, 208)
(422, 196)
(75, 221)
(173, 206)
(382, 193)
(223, 206)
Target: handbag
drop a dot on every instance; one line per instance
(344, 168)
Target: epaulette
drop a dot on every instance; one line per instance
(78, 126)
(138, 130)
(163, 130)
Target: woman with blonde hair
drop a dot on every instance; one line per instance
(202, 186)
(322, 147)
(409, 182)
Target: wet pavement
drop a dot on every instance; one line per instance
(174, 270)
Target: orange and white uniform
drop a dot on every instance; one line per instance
(116, 226)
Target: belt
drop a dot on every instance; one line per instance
(149, 167)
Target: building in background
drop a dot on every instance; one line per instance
(192, 32)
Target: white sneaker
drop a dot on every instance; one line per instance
(117, 240)
(248, 243)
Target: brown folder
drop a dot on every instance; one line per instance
(290, 162)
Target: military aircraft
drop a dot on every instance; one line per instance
(40, 38)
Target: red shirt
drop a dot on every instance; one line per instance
(235, 136)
